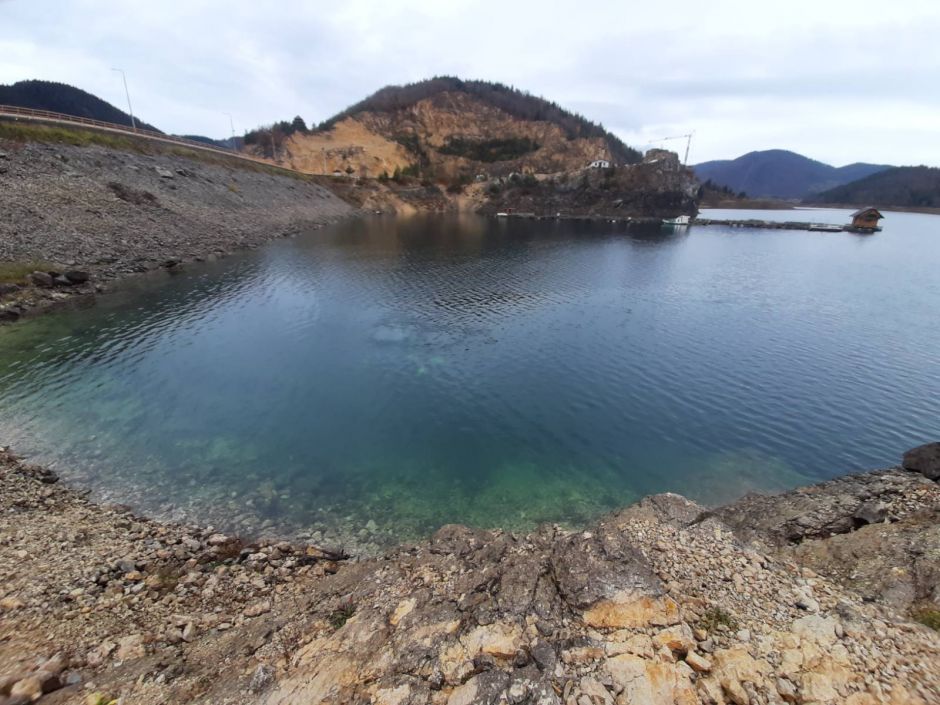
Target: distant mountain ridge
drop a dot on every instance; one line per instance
(904, 187)
(778, 173)
(63, 98)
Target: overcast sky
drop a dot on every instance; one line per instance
(837, 80)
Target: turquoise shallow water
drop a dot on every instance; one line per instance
(370, 382)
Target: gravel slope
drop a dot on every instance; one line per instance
(113, 213)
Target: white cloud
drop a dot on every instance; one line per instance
(837, 80)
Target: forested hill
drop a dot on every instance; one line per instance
(777, 173)
(519, 104)
(903, 187)
(63, 98)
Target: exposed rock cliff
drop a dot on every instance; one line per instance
(441, 136)
(659, 187)
(448, 130)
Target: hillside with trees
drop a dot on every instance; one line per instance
(63, 98)
(901, 187)
(517, 103)
(447, 130)
(777, 173)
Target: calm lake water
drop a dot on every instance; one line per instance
(369, 382)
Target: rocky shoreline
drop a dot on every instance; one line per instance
(80, 218)
(662, 602)
(810, 596)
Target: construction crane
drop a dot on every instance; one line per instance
(688, 144)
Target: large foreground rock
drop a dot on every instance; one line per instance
(924, 459)
(657, 604)
(877, 533)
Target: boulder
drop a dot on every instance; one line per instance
(828, 509)
(36, 685)
(131, 647)
(595, 567)
(924, 459)
(258, 608)
(261, 679)
(676, 638)
(76, 276)
(163, 173)
(43, 279)
(54, 665)
(8, 288)
(873, 512)
(649, 682)
(7, 683)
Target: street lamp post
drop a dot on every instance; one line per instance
(232, 125)
(128, 94)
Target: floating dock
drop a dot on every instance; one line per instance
(784, 225)
(744, 223)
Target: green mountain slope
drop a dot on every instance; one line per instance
(904, 187)
(777, 173)
(63, 98)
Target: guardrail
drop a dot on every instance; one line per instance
(16, 112)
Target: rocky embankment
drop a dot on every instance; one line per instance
(658, 187)
(81, 216)
(663, 602)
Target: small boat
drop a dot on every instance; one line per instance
(680, 220)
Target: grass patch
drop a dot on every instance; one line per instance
(81, 137)
(16, 272)
(494, 150)
(716, 617)
(29, 132)
(100, 699)
(929, 618)
(342, 614)
(169, 576)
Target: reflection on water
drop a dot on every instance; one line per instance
(373, 381)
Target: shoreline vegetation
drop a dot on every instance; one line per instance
(817, 595)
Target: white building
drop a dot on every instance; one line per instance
(599, 164)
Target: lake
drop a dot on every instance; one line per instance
(367, 383)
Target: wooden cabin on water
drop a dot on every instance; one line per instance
(866, 219)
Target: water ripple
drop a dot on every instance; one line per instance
(422, 371)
